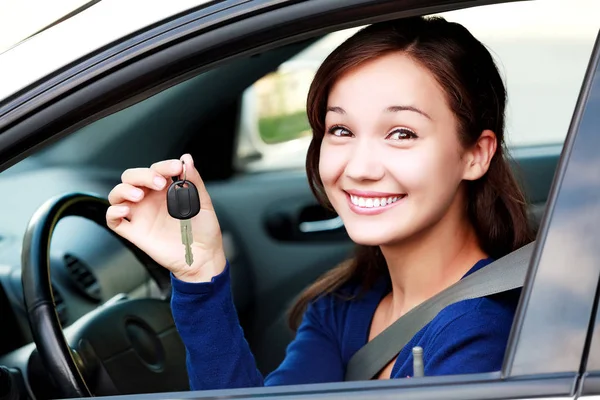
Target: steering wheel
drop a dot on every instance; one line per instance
(125, 347)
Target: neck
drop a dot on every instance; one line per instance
(430, 262)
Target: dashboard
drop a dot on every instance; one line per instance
(88, 264)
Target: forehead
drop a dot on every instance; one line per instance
(392, 79)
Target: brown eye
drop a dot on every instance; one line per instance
(339, 131)
(401, 134)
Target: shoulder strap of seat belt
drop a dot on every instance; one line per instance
(502, 275)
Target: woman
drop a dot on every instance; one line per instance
(407, 119)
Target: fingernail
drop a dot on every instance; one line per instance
(136, 193)
(160, 182)
(123, 210)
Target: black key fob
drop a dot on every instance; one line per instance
(183, 201)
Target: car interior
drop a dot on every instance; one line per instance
(278, 238)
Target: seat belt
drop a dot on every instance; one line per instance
(502, 275)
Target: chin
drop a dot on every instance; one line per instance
(365, 238)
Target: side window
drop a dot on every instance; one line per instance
(273, 131)
(541, 48)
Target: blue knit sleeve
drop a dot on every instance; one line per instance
(219, 357)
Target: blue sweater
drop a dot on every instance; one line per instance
(467, 337)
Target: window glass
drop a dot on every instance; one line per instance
(542, 49)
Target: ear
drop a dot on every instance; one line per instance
(479, 156)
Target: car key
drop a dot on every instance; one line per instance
(183, 203)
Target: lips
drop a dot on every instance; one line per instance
(371, 203)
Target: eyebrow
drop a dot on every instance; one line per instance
(338, 110)
(391, 109)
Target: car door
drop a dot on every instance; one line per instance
(289, 258)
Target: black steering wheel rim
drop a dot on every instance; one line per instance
(44, 322)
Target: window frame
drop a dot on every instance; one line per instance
(36, 120)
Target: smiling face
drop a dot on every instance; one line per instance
(390, 161)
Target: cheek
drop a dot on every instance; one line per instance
(331, 164)
(428, 170)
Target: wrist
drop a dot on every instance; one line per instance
(204, 270)
(199, 289)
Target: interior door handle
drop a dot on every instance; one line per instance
(324, 225)
(305, 223)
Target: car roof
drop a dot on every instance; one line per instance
(81, 34)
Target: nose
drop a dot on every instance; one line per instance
(364, 162)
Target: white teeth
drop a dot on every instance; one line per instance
(371, 202)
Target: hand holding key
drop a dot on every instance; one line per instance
(140, 213)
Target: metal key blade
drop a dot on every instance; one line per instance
(187, 240)
(189, 256)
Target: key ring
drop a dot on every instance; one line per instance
(176, 178)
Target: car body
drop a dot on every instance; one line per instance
(125, 84)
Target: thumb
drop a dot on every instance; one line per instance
(193, 176)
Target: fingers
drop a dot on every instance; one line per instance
(125, 192)
(144, 177)
(168, 168)
(116, 218)
(157, 177)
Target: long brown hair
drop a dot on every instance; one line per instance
(474, 91)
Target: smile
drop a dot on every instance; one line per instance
(373, 202)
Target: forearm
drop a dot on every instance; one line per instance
(218, 355)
